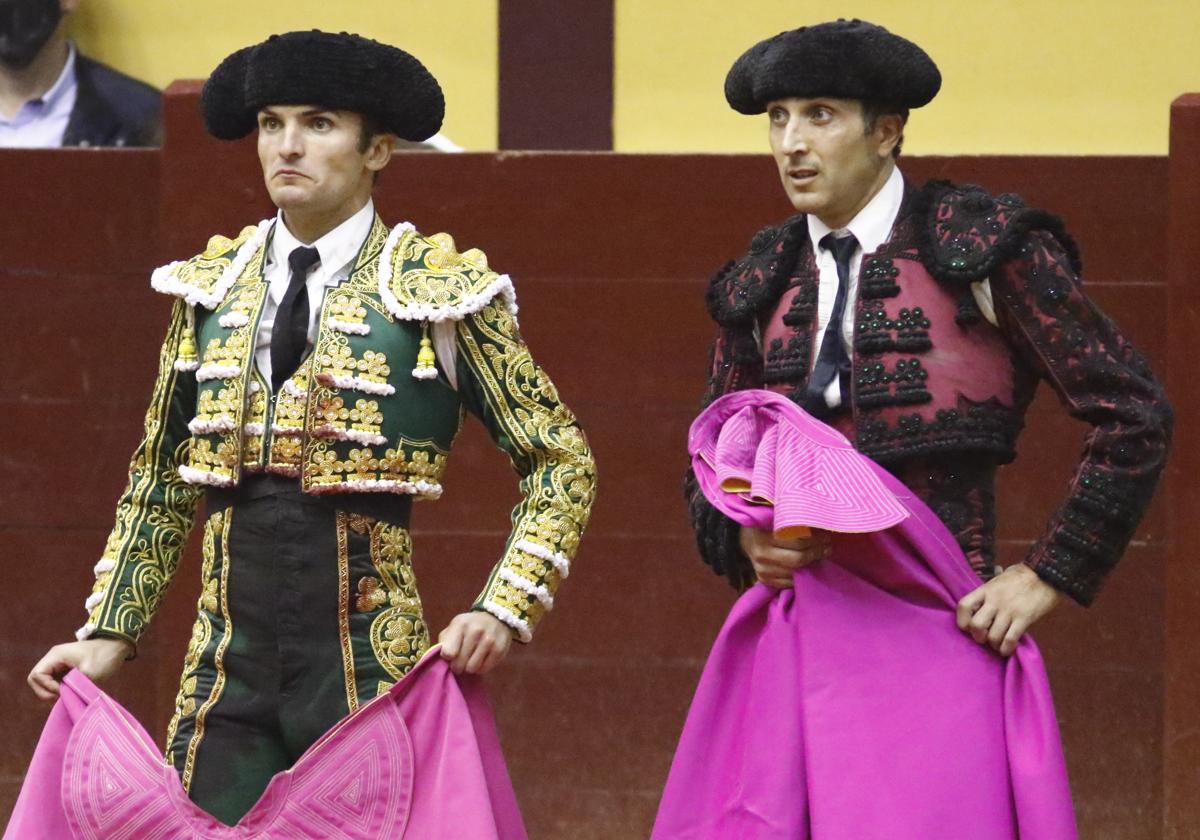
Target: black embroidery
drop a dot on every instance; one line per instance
(741, 291)
(970, 233)
(804, 306)
(788, 362)
(975, 427)
(876, 386)
(877, 279)
(877, 333)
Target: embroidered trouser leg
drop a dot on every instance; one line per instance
(307, 611)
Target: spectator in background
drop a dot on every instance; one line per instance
(51, 95)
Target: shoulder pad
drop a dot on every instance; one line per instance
(424, 278)
(742, 289)
(206, 278)
(970, 232)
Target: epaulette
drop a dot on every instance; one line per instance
(206, 278)
(424, 278)
(740, 290)
(968, 233)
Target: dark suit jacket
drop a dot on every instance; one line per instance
(112, 109)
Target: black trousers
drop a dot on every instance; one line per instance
(309, 607)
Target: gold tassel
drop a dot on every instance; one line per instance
(188, 358)
(426, 359)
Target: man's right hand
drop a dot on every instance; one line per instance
(775, 560)
(96, 659)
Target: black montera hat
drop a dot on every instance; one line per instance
(847, 59)
(341, 71)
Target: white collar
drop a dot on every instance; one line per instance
(338, 248)
(63, 85)
(873, 224)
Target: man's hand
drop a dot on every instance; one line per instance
(1000, 612)
(475, 642)
(96, 659)
(775, 560)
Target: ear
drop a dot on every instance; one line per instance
(380, 151)
(889, 129)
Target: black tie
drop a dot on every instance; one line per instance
(289, 337)
(832, 359)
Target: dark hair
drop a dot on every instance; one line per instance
(371, 128)
(872, 110)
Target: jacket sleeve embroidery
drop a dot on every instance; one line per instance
(155, 513)
(500, 382)
(1103, 381)
(735, 363)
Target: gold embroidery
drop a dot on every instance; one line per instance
(547, 447)
(231, 351)
(399, 635)
(397, 464)
(222, 460)
(364, 417)
(338, 360)
(346, 308)
(185, 701)
(365, 277)
(254, 428)
(222, 401)
(343, 549)
(223, 523)
(156, 509)
(202, 272)
(291, 402)
(428, 271)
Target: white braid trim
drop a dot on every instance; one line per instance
(425, 373)
(220, 423)
(536, 590)
(85, 632)
(253, 387)
(289, 388)
(186, 367)
(282, 469)
(233, 320)
(560, 561)
(94, 599)
(512, 620)
(164, 280)
(105, 565)
(357, 435)
(355, 383)
(348, 327)
(502, 286)
(254, 429)
(387, 485)
(287, 431)
(194, 476)
(469, 305)
(207, 372)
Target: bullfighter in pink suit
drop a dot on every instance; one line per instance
(918, 321)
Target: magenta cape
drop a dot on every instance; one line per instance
(852, 707)
(421, 761)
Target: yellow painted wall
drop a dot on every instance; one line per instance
(1019, 76)
(163, 40)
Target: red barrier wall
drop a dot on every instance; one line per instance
(610, 254)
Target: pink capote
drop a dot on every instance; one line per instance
(421, 762)
(851, 707)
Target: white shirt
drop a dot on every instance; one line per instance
(872, 227)
(41, 123)
(338, 250)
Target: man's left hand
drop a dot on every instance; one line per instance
(1000, 612)
(475, 642)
